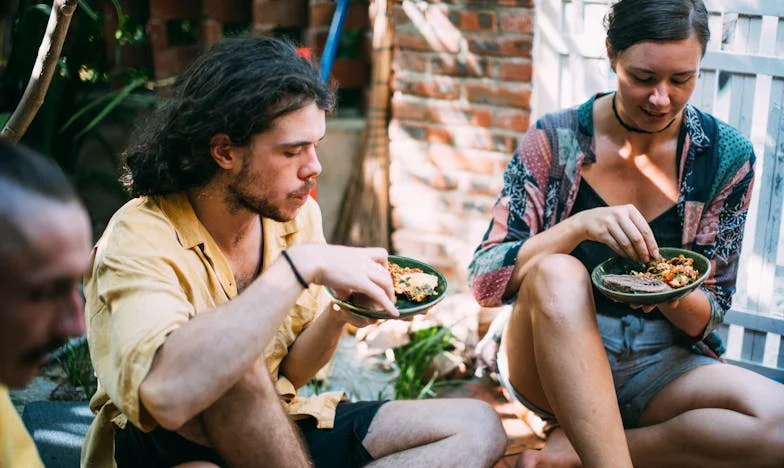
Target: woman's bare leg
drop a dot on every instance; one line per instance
(557, 360)
(718, 416)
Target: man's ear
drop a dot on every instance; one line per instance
(223, 152)
(610, 54)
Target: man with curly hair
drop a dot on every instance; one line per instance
(46, 243)
(205, 296)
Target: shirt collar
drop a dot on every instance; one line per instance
(191, 232)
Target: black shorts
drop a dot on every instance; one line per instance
(340, 446)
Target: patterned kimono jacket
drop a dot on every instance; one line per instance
(542, 179)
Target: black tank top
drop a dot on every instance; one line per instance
(666, 229)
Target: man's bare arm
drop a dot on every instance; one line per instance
(185, 380)
(313, 348)
(206, 356)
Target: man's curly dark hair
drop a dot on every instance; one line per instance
(239, 87)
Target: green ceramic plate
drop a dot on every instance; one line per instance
(406, 307)
(620, 265)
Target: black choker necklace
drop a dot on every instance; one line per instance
(635, 129)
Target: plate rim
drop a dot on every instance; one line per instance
(626, 295)
(409, 312)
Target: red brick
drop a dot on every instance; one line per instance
(173, 9)
(350, 73)
(279, 13)
(414, 108)
(434, 178)
(441, 88)
(427, 38)
(482, 162)
(517, 22)
(514, 70)
(316, 38)
(467, 137)
(444, 64)
(508, 47)
(518, 121)
(399, 16)
(436, 249)
(499, 94)
(472, 204)
(451, 114)
(485, 185)
(409, 152)
(431, 134)
(439, 135)
(411, 40)
(401, 131)
(210, 32)
(356, 17)
(225, 11)
(472, 20)
(410, 109)
(408, 60)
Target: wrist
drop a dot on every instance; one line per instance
(336, 315)
(577, 231)
(299, 256)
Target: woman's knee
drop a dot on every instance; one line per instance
(555, 274)
(555, 281)
(772, 432)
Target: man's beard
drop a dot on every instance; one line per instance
(238, 198)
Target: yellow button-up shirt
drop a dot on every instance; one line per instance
(155, 268)
(16, 446)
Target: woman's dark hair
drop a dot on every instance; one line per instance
(632, 21)
(239, 87)
(25, 169)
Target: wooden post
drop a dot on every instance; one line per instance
(364, 214)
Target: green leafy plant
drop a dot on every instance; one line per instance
(413, 360)
(78, 368)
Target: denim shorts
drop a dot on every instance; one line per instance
(645, 356)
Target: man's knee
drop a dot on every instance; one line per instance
(253, 392)
(484, 428)
(256, 381)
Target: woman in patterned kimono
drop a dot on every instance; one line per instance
(625, 173)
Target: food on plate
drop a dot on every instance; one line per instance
(634, 284)
(676, 272)
(413, 282)
(659, 276)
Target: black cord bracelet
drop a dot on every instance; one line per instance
(300, 279)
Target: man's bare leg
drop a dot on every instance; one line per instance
(435, 433)
(737, 420)
(553, 348)
(248, 427)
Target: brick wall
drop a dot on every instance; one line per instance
(462, 92)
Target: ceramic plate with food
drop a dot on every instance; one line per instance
(674, 275)
(418, 287)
